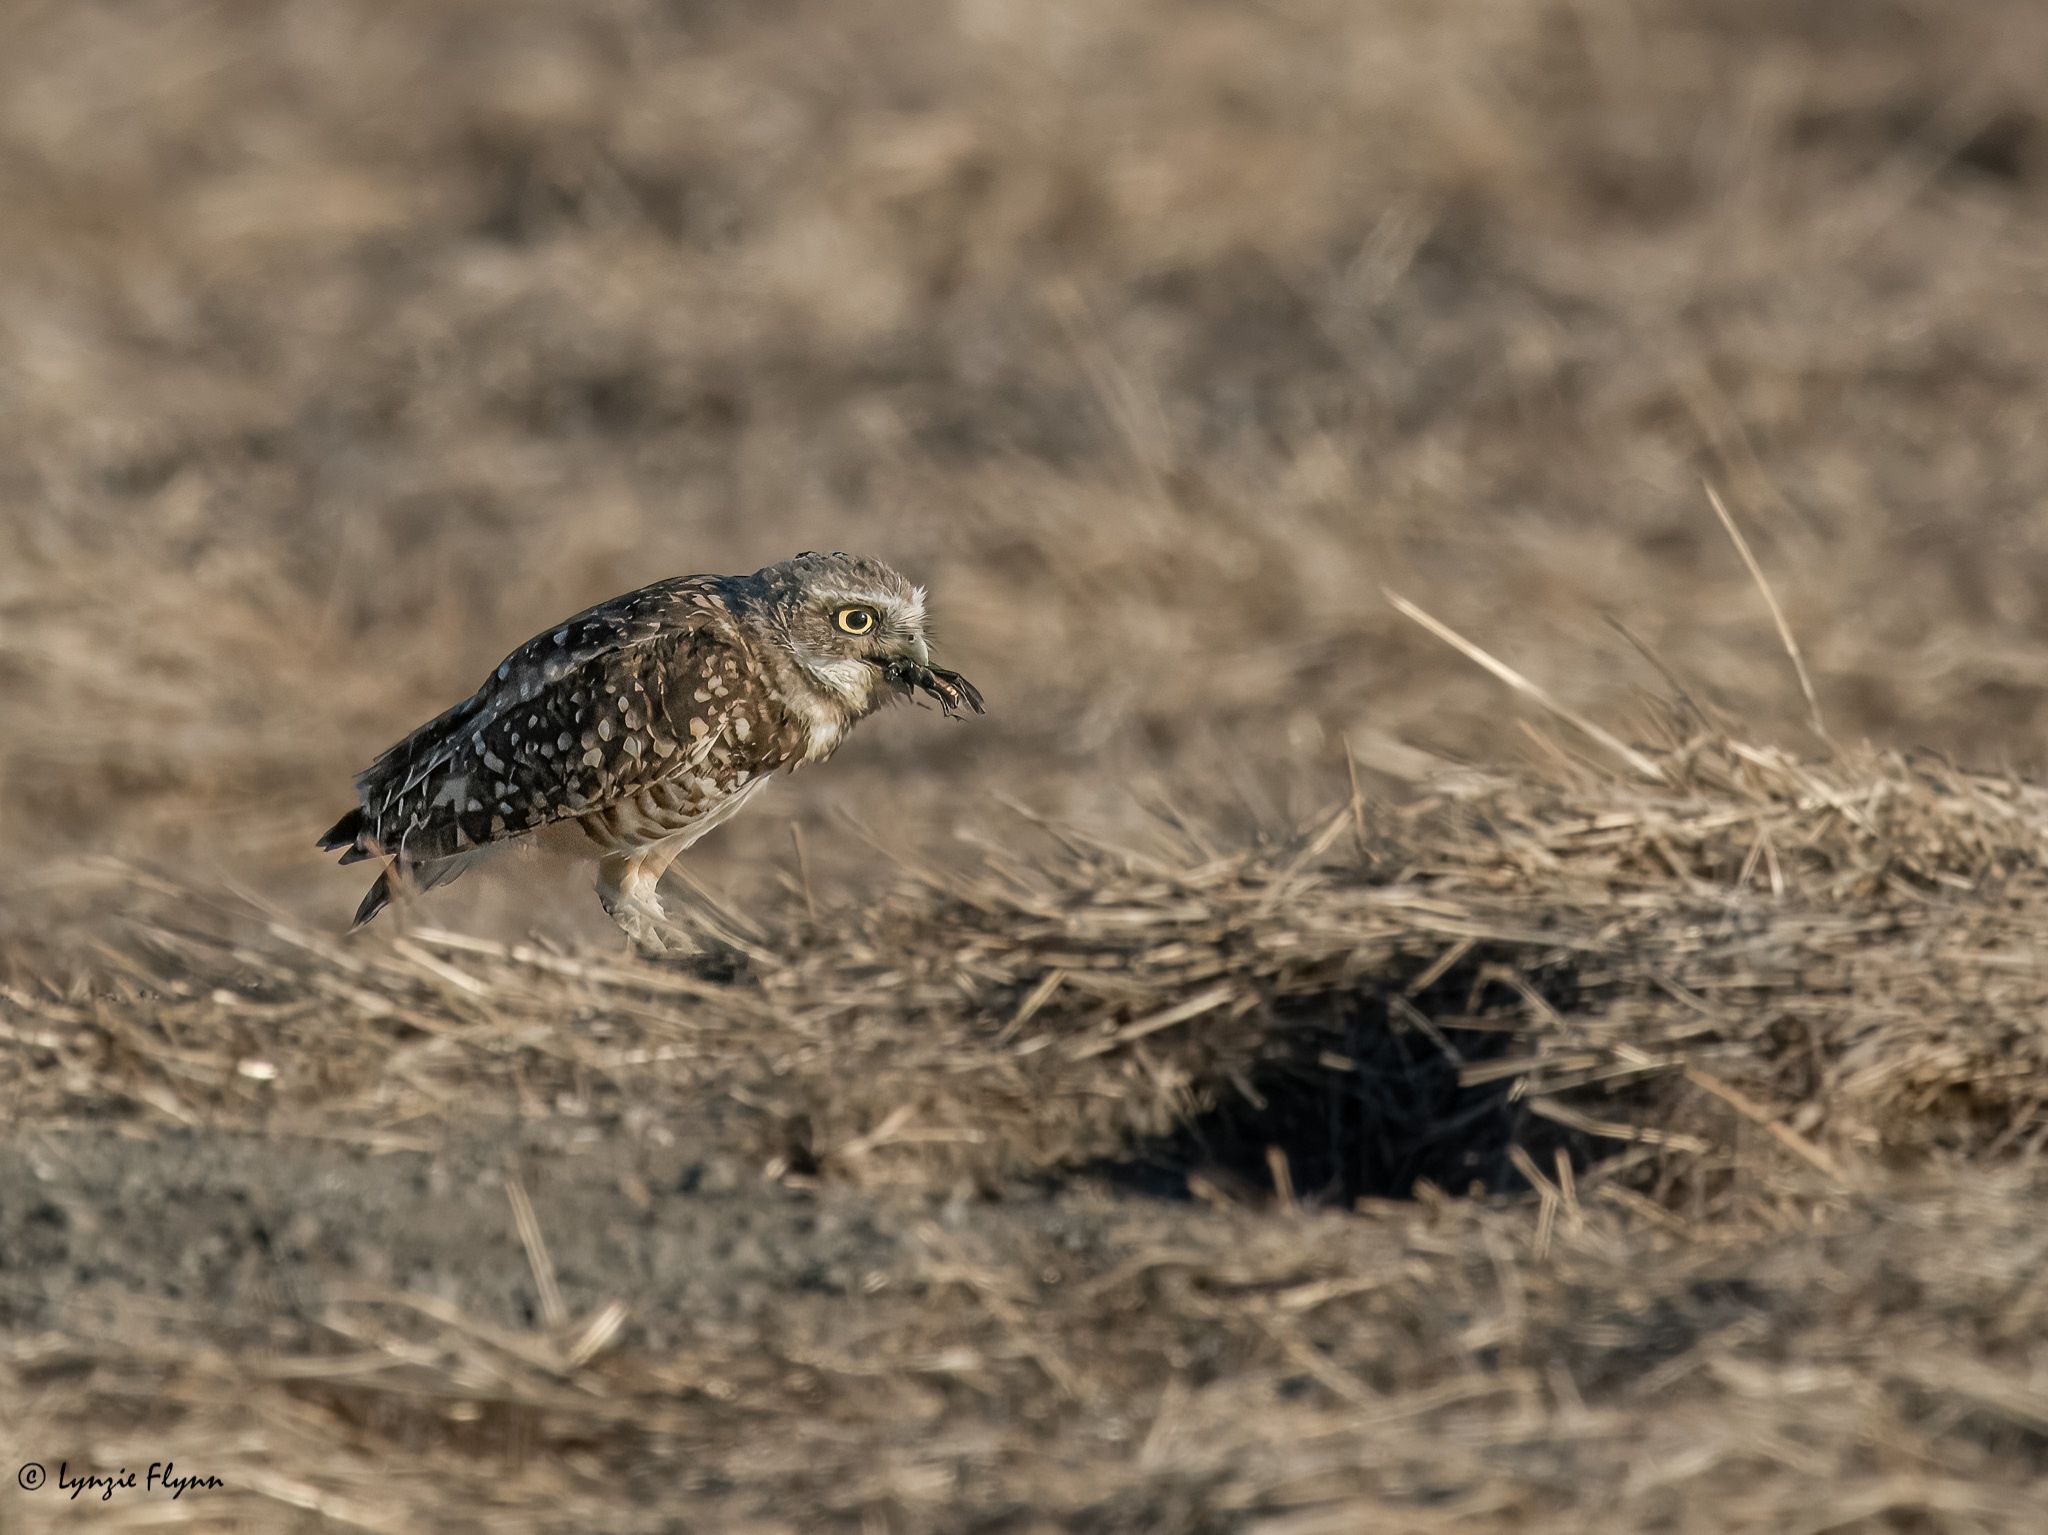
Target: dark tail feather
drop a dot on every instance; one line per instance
(419, 877)
(378, 898)
(347, 836)
(345, 833)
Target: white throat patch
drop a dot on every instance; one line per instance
(851, 681)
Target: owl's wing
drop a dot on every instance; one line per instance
(572, 721)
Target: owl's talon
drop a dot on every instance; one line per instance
(653, 938)
(652, 934)
(646, 926)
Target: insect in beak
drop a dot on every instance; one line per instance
(951, 691)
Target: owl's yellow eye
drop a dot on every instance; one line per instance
(855, 620)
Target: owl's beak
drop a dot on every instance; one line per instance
(920, 652)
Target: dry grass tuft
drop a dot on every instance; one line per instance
(1055, 1146)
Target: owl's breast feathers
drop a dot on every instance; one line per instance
(660, 686)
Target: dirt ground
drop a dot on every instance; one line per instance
(1271, 1074)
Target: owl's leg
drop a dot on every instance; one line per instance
(626, 885)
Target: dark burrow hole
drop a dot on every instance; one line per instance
(1367, 1100)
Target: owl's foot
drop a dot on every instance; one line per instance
(646, 925)
(652, 934)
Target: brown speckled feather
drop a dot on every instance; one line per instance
(649, 687)
(648, 720)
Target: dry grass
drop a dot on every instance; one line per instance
(1267, 1076)
(1022, 1188)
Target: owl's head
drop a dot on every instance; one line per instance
(848, 621)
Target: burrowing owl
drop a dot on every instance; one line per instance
(647, 721)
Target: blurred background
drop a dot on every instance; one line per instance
(346, 343)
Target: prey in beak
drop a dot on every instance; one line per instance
(951, 691)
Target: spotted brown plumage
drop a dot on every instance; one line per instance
(647, 720)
